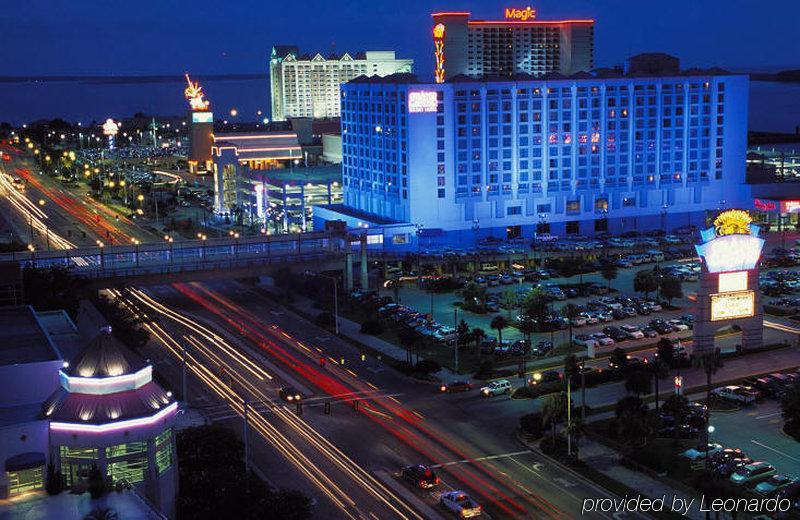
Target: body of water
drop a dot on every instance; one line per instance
(774, 107)
(84, 101)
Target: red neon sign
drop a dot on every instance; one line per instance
(438, 43)
(765, 205)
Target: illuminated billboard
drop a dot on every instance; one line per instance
(732, 244)
(733, 281)
(732, 305)
(731, 253)
(422, 101)
(202, 117)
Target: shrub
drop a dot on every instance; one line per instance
(428, 366)
(372, 327)
(531, 424)
(324, 320)
(95, 482)
(485, 370)
(55, 480)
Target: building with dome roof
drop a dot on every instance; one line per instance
(109, 412)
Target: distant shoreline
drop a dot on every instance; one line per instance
(788, 76)
(105, 80)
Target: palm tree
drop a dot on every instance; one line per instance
(570, 311)
(478, 335)
(710, 362)
(527, 326)
(553, 409)
(609, 272)
(499, 323)
(658, 369)
(408, 339)
(631, 414)
(638, 382)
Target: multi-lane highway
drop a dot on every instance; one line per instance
(397, 421)
(54, 217)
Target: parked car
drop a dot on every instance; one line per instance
(420, 476)
(680, 431)
(602, 339)
(460, 503)
(661, 326)
(500, 387)
(701, 451)
(456, 386)
(584, 340)
(542, 348)
(648, 331)
(615, 333)
(678, 325)
(774, 484)
(520, 348)
(751, 473)
(632, 332)
(728, 467)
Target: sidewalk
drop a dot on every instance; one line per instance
(352, 330)
(605, 460)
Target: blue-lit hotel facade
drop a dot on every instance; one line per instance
(574, 155)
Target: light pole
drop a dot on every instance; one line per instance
(202, 238)
(136, 243)
(335, 302)
(169, 240)
(455, 349)
(101, 245)
(541, 227)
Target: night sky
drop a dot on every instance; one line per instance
(56, 37)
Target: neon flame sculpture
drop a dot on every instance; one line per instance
(438, 42)
(194, 94)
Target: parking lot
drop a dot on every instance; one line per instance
(762, 439)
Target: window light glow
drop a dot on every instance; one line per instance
(141, 422)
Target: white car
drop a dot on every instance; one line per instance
(733, 393)
(602, 339)
(632, 332)
(584, 340)
(701, 451)
(500, 387)
(578, 321)
(460, 503)
(678, 325)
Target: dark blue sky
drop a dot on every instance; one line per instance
(229, 36)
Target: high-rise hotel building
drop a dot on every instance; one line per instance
(590, 153)
(308, 86)
(519, 44)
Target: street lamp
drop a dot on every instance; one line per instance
(169, 240)
(100, 244)
(202, 238)
(136, 243)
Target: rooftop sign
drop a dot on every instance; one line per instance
(522, 15)
(422, 101)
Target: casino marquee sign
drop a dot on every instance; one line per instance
(730, 251)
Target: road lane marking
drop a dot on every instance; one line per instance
(768, 415)
(480, 459)
(773, 449)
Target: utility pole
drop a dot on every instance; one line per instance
(455, 349)
(246, 444)
(569, 417)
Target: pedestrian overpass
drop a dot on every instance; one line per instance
(201, 259)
